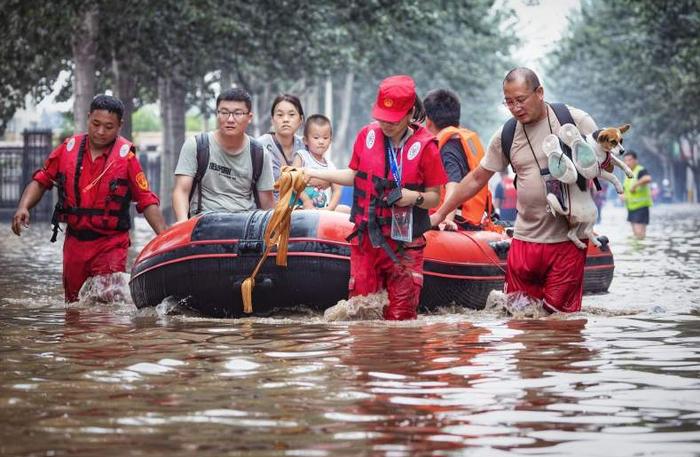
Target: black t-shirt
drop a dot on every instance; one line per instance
(453, 160)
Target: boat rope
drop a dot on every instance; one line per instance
(487, 254)
(289, 185)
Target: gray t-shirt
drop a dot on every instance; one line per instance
(226, 185)
(534, 223)
(267, 141)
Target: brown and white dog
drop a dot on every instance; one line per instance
(572, 202)
(607, 144)
(592, 157)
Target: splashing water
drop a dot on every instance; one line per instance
(109, 288)
(518, 305)
(172, 306)
(360, 308)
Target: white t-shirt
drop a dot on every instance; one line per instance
(226, 185)
(309, 161)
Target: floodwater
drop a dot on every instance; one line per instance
(618, 379)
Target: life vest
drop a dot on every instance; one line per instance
(374, 182)
(110, 213)
(641, 197)
(480, 207)
(510, 193)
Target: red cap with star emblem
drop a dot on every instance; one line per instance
(395, 98)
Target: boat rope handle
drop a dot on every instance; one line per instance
(289, 185)
(488, 256)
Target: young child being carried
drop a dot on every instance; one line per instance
(318, 134)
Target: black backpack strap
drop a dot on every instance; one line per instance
(257, 156)
(561, 111)
(507, 135)
(202, 140)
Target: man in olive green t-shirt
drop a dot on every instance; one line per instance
(226, 185)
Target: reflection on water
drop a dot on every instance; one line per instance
(620, 378)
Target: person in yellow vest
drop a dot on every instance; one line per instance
(637, 195)
(460, 151)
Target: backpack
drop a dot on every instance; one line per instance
(561, 111)
(256, 156)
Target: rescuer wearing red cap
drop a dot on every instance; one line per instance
(396, 173)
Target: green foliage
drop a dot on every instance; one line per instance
(194, 123)
(146, 119)
(35, 47)
(635, 61)
(268, 45)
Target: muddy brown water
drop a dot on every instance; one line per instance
(620, 378)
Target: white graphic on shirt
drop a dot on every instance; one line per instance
(124, 150)
(69, 146)
(413, 152)
(369, 142)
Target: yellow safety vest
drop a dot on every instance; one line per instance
(641, 197)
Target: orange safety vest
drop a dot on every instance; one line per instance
(477, 210)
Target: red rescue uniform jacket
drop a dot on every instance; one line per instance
(421, 168)
(98, 202)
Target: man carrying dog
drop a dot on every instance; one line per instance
(542, 262)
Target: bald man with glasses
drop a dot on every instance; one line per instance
(542, 262)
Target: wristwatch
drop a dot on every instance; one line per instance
(419, 200)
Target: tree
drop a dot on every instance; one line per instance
(34, 49)
(642, 71)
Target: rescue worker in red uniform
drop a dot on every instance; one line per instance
(396, 173)
(97, 175)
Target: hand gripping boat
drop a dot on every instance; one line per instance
(206, 258)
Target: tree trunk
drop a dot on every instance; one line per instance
(328, 107)
(343, 143)
(328, 98)
(311, 105)
(226, 80)
(679, 181)
(84, 46)
(204, 106)
(261, 109)
(171, 93)
(125, 90)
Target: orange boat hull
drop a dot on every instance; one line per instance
(206, 258)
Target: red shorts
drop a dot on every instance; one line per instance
(553, 272)
(371, 270)
(84, 259)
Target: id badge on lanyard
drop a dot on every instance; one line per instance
(401, 216)
(402, 223)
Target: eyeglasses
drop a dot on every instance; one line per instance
(518, 101)
(237, 115)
